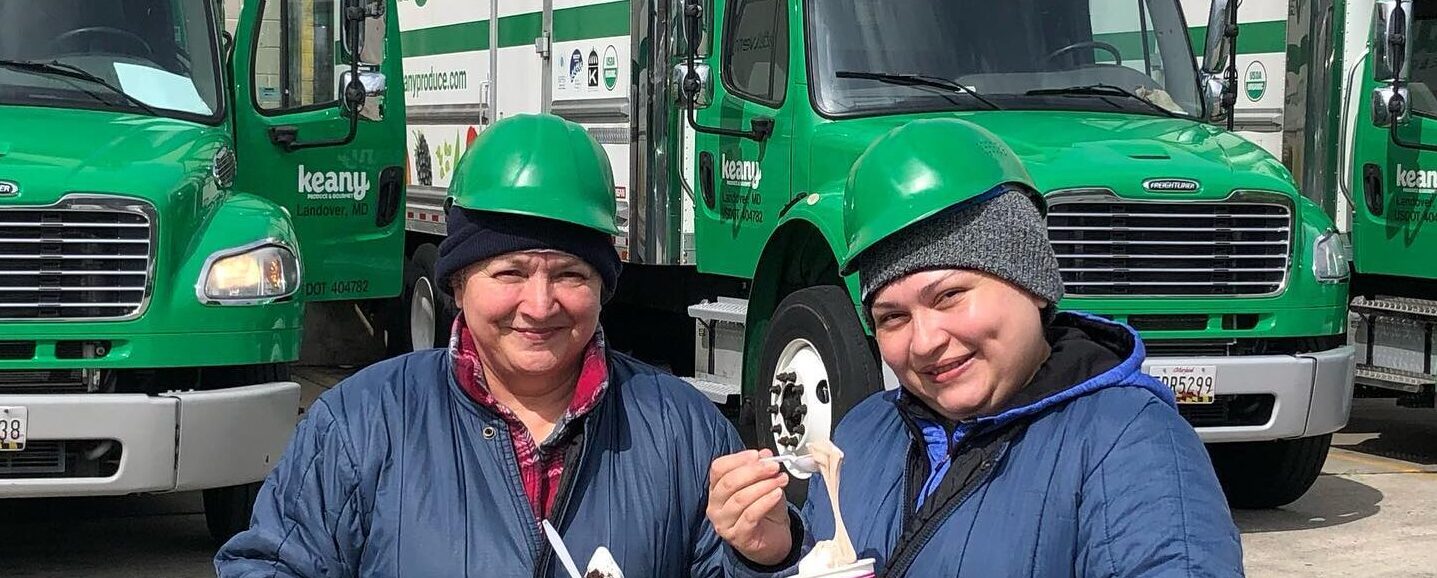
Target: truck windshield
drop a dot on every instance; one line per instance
(161, 54)
(1103, 55)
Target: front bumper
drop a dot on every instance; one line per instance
(1312, 392)
(170, 442)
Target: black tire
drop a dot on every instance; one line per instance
(1262, 475)
(824, 316)
(228, 509)
(418, 280)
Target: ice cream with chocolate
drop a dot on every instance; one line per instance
(602, 565)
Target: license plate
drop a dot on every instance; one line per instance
(1190, 383)
(12, 428)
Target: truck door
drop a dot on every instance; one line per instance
(1394, 181)
(294, 143)
(742, 182)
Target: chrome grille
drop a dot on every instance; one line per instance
(84, 258)
(1108, 246)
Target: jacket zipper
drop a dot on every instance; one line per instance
(566, 490)
(899, 567)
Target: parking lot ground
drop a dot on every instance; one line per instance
(1373, 513)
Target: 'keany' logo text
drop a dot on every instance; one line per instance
(1416, 180)
(319, 185)
(741, 173)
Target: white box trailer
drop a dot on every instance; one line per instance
(1306, 94)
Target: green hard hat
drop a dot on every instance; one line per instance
(916, 171)
(538, 165)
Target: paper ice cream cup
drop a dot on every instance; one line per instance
(860, 569)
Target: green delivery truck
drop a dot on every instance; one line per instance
(1343, 92)
(732, 125)
(171, 196)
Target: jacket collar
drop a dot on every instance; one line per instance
(1089, 354)
(592, 384)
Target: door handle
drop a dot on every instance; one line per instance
(391, 189)
(706, 178)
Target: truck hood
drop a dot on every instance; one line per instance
(49, 152)
(1071, 149)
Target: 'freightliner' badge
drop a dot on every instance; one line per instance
(1171, 185)
(9, 188)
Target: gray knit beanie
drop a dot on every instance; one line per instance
(1002, 235)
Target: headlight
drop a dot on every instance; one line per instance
(249, 276)
(1330, 257)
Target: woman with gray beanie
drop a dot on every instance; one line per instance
(1023, 441)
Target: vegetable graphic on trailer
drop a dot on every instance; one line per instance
(423, 164)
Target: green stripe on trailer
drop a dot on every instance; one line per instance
(1252, 38)
(612, 19)
(578, 23)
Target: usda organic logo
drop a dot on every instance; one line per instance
(1255, 81)
(611, 67)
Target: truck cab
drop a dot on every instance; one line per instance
(171, 196)
(1161, 218)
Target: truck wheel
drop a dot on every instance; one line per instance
(815, 366)
(227, 510)
(1260, 475)
(430, 310)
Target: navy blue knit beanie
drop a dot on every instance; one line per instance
(478, 235)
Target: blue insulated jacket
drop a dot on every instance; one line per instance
(396, 472)
(1096, 475)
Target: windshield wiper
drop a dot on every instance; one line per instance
(917, 80)
(1104, 90)
(72, 71)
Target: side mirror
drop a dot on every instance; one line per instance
(1212, 93)
(696, 36)
(1389, 106)
(1214, 58)
(371, 45)
(227, 44)
(1391, 19)
(696, 90)
(1391, 23)
(372, 81)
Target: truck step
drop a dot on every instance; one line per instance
(1400, 306)
(715, 391)
(1387, 378)
(725, 309)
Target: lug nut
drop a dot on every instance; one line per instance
(798, 430)
(800, 411)
(775, 389)
(772, 410)
(776, 429)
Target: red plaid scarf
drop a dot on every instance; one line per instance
(540, 465)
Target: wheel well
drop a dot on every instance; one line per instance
(797, 256)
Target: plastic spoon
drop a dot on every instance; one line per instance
(801, 464)
(560, 550)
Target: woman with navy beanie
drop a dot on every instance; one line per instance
(449, 462)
